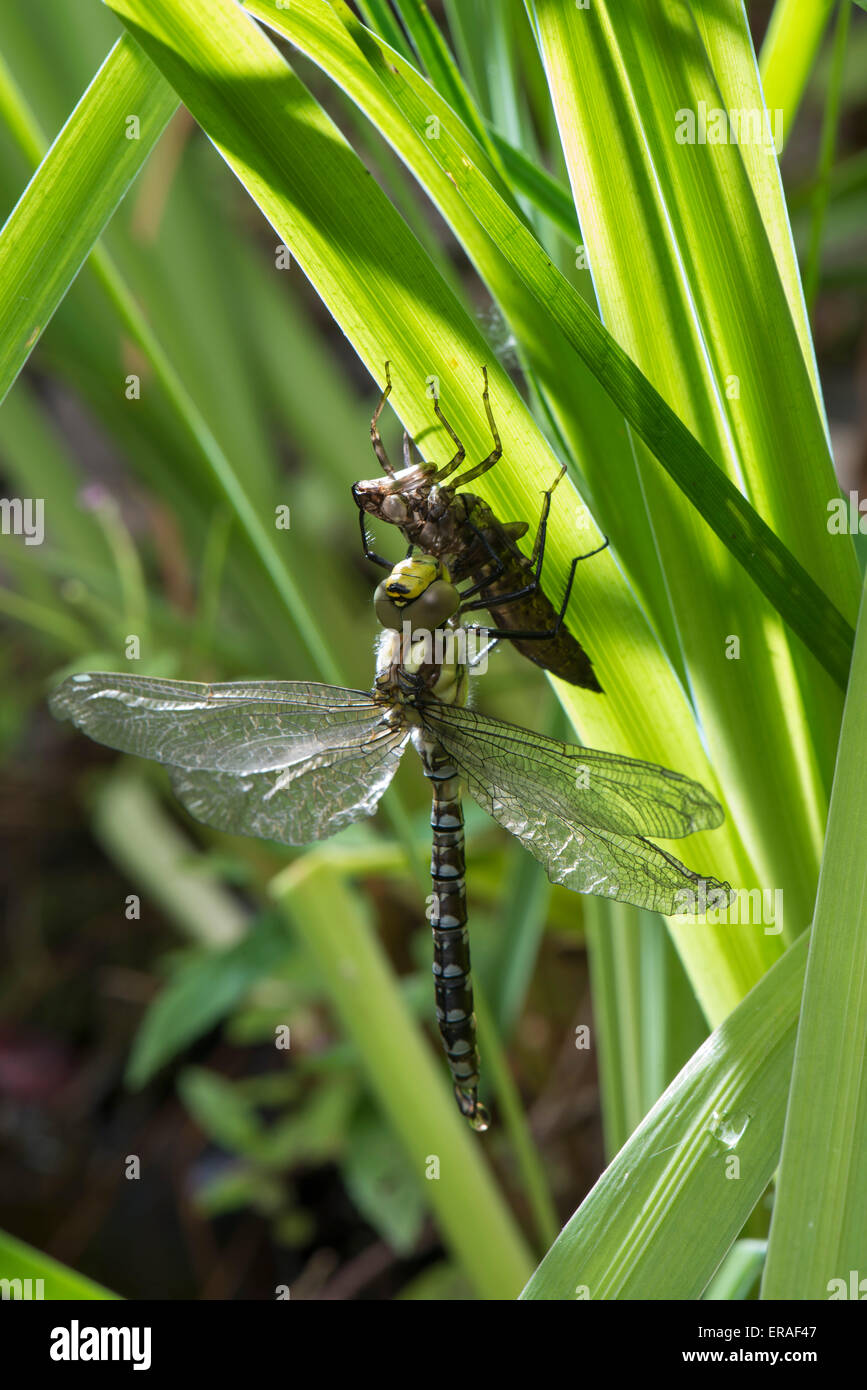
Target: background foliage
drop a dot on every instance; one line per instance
(431, 189)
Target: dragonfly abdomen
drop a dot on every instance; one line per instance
(453, 984)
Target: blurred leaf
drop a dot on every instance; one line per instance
(220, 1108)
(314, 1131)
(139, 835)
(379, 1181)
(311, 1132)
(295, 1227)
(739, 1273)
(439, 1283)
(792, 41)
(239, 1185)
(203, 991)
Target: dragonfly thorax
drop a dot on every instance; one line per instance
(416, 665)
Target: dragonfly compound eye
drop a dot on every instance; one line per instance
(427, 610)
(389, 613)
(434, 607)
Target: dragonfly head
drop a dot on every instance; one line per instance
(419, 591)
(395, 499)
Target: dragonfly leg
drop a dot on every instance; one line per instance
(523, 636)
(537, 557)
(448, 468)
(495, 641)
(496, 561)
(484, 652)
(411, 451)
(496, 453)
(535, 561)
(531, 589)
(542, 529)
(369, 554)
(378, 446)
(501, 599)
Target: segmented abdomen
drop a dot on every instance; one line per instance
(448, 917)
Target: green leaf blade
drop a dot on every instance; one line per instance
(819, 1227)
(661, 1217)
(90, 166)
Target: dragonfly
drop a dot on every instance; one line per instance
(462, 529)
(295, 762)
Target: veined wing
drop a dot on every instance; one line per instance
(234, 727)
(289, 761)
(583, 813)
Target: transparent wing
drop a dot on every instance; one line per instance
(235, 727)
(306, 801)
(583, 813)
(288, 761)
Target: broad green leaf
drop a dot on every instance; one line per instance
(665, 1211)
(73, 195)
(547, 193)
(646, 1020)
(442, 70)
(830, 122)
(732, 57)
(379, 16)
(819, 1226)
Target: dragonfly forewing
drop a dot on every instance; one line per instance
(287, 761)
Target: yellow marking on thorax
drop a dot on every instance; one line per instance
(413, 576)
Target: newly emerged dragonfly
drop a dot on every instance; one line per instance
(295, 762)
(461, 529)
